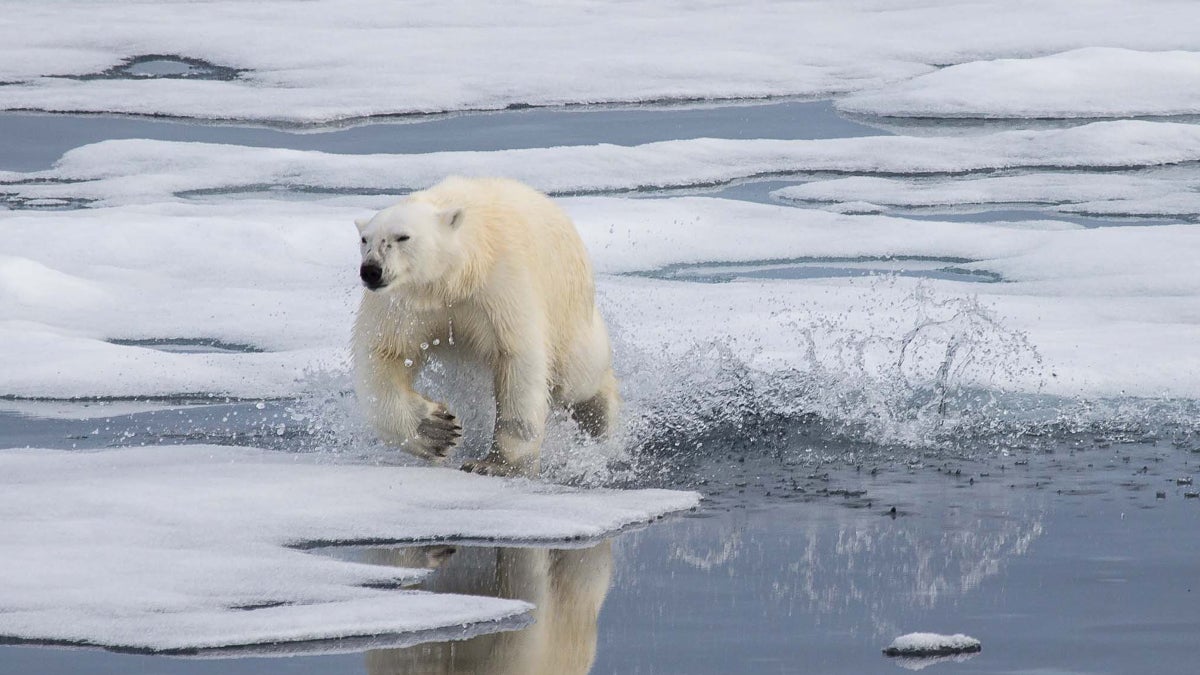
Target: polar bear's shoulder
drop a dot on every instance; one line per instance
(461, 191)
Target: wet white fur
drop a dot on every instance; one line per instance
(495, 272)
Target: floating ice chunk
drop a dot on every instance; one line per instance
(188, 547)
(1091, 82)
(81, 410)
(932, 644)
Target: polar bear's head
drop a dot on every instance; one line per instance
(411, 243)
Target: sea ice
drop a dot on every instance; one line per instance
(1110, 309)
(1112, 194)
(190, 547)
(127, 171)
(1091, 82)
(373, 57)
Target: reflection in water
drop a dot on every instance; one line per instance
(567, 586)
(923, 662)
(856, 569)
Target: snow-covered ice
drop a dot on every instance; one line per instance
(1111, 310)
(1112, 194)
(1091, 82)
(188, 547)
(373, 57)
(931, 644)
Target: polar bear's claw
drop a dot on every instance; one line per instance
(487, 467)
(438, 433)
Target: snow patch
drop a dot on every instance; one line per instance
(1091, 82)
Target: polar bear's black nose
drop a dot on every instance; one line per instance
(372, 275)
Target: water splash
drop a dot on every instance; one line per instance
(928, 375)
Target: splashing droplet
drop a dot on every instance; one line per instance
(408, 363)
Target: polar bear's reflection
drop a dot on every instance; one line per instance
(566, 586)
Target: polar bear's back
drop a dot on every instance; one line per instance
(513, 225)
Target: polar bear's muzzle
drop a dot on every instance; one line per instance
(371, 275)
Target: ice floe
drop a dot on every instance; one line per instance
(1091, 82)
(1111, 310)
(193, 547)
(372, 57)
(124, 171)
(1111, 194)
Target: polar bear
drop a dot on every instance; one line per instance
(489, 270)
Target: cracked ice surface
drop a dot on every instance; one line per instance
(164, 548)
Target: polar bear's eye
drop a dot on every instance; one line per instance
(403, 237)
(364, 240)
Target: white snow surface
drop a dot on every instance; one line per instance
(1111, 310)
(324, 60)
(157, 548)
(1087, 193)
(918, 643)
(124, 171)
(1090, 82)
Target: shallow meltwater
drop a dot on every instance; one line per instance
(823, 268)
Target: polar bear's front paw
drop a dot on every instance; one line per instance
(437, 433)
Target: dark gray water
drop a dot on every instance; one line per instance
(30, 141)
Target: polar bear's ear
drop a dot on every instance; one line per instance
(361, 223)
(451, 217)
